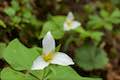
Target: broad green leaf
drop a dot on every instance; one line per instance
(62, 73)
(2, 24)
(54, 72)
(90, 57)
(9, 74)
(40, 74)
(2, 47)
(39, 50)
(58, 20)
(55, 26)
(18, 56)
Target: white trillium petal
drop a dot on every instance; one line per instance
(39, 63)
(48, 43)
(62, 59)
(75, 24)
(70, 16)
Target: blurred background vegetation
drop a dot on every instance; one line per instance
(99, 32)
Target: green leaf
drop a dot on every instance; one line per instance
(97, 36)
(90, 57)
(115, 17)
(18, 56)
(58, 48)
(38, 49)
(59, 20)
(10, 11)
(80, 30)
(95, 22)
(35, 22)
(55, 26)
(16, 19)
(116, 13)
(62, 73)
(40, 74)
(55, 72)
(104, 14)
(27, 14)
(85, 34)
(9, 74)
(108, 26)
(15, 5)
(2, 24)
(2, 47)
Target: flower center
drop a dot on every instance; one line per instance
(48, 57)
(69, 23)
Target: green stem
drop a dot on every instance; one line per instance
(69, 40)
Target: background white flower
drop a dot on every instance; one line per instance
(70, 23)
(49, 55)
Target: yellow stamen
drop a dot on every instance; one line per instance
(69, 23)
(48, 57)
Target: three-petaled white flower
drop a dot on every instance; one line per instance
(49, 55)
(70, 23)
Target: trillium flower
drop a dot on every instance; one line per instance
(70, 23)
(49, 56)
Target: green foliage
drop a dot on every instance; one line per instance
(105, 20)
(116, 2)
(90, 57)
(89, 8)
(19, 14)
(9, 74)
(15, 5)
(10, 11)
(55, 25)
(115, 17)
(39, 50)
(22, 21)
(58, 48)
(18, 56)
(54, 72)
(59, 70)
(59, 73)
(2, 24)
(96, 36)
(2, 47)
(21, 58)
